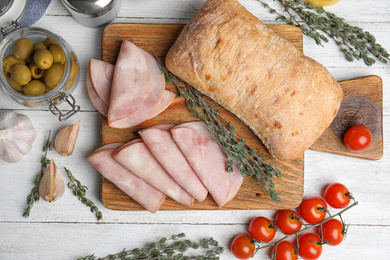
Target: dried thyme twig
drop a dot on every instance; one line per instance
(352, 40)
(79, 191)
(236, 150)
(34, 196)
(164, 250)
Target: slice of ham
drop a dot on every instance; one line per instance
(101, 75)
(164, 103)
(130, 84)
(137, 158)
(96, 101)
(146, 195)
(208, 160)
(162, 146)
(153, 98)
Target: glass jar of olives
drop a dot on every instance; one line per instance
(39, 69)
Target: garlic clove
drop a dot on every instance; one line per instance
(17, 135)
(66, 139)
(52, 185)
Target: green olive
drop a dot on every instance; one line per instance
(39, 46)
(34, 88)
(43, 59)
(10, 61)
(75, 70)
(15, 85)
(49, 42)
(70, 84)
(7, 74)
(22, 48)
(54, 74)
(48, 89)
(58, 54)
(36, 73)
(20, 74)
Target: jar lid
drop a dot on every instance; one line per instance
(10, 14)
(89, 6)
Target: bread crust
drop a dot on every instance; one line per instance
(286, 98)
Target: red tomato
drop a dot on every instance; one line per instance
(261, 229)
(358, 138)
(333, 231)
(242, 246)
(337, 195)
(309, 246)
(285, 250)
(313, 210)
(288, 221)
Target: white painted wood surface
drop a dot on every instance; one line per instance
(67, 229)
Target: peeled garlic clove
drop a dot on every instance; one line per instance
(17, 135)
(66, 139)
(52, 186)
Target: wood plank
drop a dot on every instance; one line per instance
(157, 40)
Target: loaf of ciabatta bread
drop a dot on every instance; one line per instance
(286, 98)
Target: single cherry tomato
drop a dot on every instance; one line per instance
(310, 247)
(313, 210)
(285, 250)
(261, 229)
(337, 195)
(333, 232)
(242, 246)
(358, 138)
(288, 221)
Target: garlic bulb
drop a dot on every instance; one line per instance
(17, 135)
(66, 139)
(51, 186)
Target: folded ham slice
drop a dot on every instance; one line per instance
(145, 194)
(101, 76)
(130, 83)
(208, 160)
(96, 101)
(153, 98)
(162, 146)
(137, 158)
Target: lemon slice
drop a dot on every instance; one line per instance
(324, 2)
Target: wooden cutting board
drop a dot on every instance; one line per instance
(157, 40)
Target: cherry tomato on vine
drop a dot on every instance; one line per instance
(313, 210)
(288, 221)
(285, 250)
(242, 246)
(261, 229)
(337, 195)
(358, 138)
(310, 247)
(333, 232)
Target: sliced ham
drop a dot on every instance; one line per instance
(130, 84)
(96, 101)
(137, 158)
(165, 101)
(208, 160)
(153, 98)
(162, 146)
(101, 76)
(146, 195)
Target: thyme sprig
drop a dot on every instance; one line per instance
(34, 196)
(79, 191)
(168, 248)
(316, 22)
(237, 151)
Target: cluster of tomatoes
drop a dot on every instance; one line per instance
(307, 244)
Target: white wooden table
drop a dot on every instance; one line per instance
(66, 229)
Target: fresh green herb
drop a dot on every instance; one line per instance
(79, 191)
(168, 248)
(354, 42)
(34, 195)
(237, 151)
